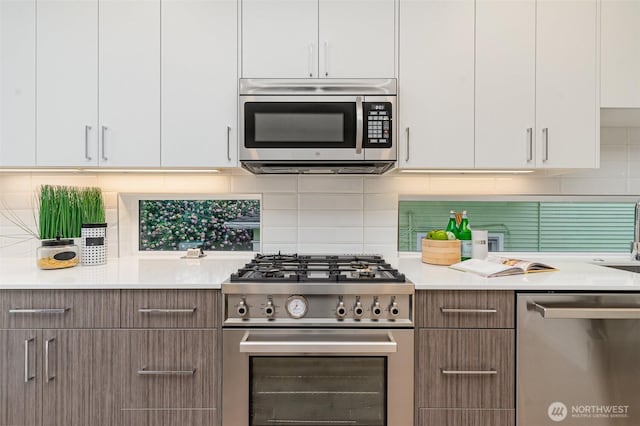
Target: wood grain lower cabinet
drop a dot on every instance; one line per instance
(170, 309)
(18, 379)
(434, 417)
(170, 417)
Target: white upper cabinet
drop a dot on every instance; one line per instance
(620, 54)
(318, 38)
(357, 38)
(129, 83)
(567, 89)
(505, 84)
(17, 82)
(67, 82)
(279, 38)
(199, 90)
(436, 81)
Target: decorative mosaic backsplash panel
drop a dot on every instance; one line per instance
(217, 225)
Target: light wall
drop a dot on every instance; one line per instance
(326, 214)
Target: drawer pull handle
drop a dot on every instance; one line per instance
(57, 311)
(491, 372)
(144, 372)
(166, 311)
(468, 311)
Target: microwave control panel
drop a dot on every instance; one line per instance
(378, 125)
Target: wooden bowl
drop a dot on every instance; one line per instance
(440, 252)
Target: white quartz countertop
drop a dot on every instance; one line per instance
(575, 273)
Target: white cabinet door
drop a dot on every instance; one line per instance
(17, 82)
(279, 38)
(357, 38)
(129, 83)
(436, 80)
(505, 83)
(620, 54)
(567, 101)
(199, 83)
(67, 82)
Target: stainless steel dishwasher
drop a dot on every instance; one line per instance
(578, 359)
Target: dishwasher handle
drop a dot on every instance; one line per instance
(586, 312)
(317, 346)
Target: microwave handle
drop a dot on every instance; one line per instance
(359, 124)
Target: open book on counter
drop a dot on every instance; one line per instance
(496, 266)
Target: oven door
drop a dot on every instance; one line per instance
(297, 377)
(285, 128)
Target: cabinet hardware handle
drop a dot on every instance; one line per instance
(586, 312)
(359, 124)
(326, 59)
(27, 376)
(310, 59)
(529, 144)
(104, 143)
(144, 372)
(490, 372)
(57, 311)
(228, 143)
(468, 311)
(47, 377)
(408, 136)
(87, 129)
(545, 134)
(166, 311)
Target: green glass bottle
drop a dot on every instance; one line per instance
(452, 226)
(464, 235)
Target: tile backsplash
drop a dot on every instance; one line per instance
(326, 214)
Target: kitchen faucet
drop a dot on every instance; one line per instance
(635, 245)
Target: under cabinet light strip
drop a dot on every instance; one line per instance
(439, 171)
(81, 170)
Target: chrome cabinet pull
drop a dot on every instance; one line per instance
(104, 143)
(144, 372)
(326, 59)
(545, 135)
(228, 143)
(408, 135)
(47, 377)
(166, 311)
(310, 59)
(490, 372)
(27, 376)
(359, 124)
(530, 144)
(56, 311)
(468, 311)
(87, 129)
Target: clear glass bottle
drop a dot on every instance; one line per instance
(452, 226)
(464, 235)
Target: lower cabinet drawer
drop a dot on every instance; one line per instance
(465, 368)
(170, 308)
(169, 369)
(168, 418)
(435, 417)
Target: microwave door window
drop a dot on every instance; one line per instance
(299, 125)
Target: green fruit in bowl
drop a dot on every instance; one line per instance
(439, 235)
(451, 235)
(429, 235)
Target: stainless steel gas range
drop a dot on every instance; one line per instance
(317, 340)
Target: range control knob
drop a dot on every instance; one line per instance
(270, 309)
(394, 309)
(358, 310)
(341, 310)
(242, 309)
(376, 309)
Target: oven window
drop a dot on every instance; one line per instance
(294, 127)
(302, 391)
(300, 125)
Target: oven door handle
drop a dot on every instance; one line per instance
(318, 346)
(359, 124)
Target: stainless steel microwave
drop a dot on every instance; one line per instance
(318, 126)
